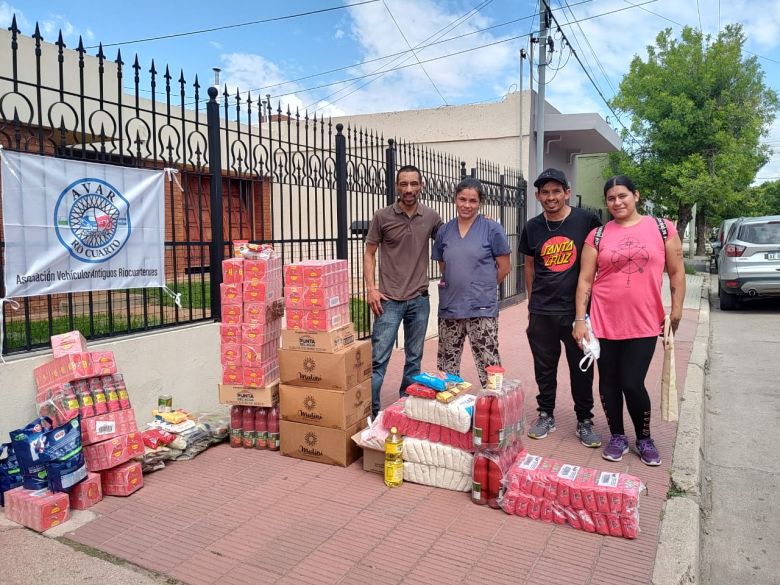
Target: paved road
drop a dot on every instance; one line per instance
(741, 525)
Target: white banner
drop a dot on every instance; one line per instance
(75, 226)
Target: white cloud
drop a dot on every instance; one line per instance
(408, 87)
(6, 15)
(616, 38)
(771, 170)
(253, 73)
(216, 45)
(339, 34)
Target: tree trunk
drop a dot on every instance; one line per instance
(683, 217)
(701, 232)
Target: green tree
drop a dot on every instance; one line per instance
(699, 110)
(763, 199)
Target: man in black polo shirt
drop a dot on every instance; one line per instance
(552, 243)
(401, 232)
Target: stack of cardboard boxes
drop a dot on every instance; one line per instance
(325, 393)
(251, 293)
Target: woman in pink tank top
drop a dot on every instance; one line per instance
(620, 277)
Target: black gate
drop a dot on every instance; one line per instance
(246, 170)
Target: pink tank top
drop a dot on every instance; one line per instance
(626, 295)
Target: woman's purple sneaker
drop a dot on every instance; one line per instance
(616, 448)
(647, 452)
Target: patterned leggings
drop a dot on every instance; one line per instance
(483, 336)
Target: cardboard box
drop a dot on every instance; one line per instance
(232, 270)
(122, 480)
(315, 297)
(229, 333)
(231, 293)
(258, 334)
(317, 319)
(87, 493)
(241, 395)
(37, 509)
(319, 341)
(230, 354)
(113, 452)
(261, 374)
(373, 459)
(313, 443)
(232, 314)
(70, 342)
(340, 370)
(335, 409)
(233, 375)
(107, 426)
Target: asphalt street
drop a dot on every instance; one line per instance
(741, 471)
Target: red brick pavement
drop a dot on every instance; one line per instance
(239, 516)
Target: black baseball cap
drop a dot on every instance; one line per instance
(551, 175)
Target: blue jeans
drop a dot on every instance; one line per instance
(414, 316)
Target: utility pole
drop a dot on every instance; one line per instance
(520, 131)
(543, 16)
(692, 233)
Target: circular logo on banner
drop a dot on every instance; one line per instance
(92, 220)
(559, 253)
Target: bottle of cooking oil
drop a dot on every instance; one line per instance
(394, 463)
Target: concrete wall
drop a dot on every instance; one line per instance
(183, 362)
(590, 169)
(486, 131)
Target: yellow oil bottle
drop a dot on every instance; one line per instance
(394, 463)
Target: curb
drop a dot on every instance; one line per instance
(677, 557)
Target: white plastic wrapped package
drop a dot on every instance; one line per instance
(439, 477)
(437, 455)
(455, 415)
(374, 435)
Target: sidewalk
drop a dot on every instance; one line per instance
(240, 516)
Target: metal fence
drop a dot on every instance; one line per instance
(246, 171)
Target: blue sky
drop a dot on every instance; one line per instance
(287, 58)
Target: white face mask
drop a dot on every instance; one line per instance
(591, 349)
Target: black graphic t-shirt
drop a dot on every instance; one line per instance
(556, 251)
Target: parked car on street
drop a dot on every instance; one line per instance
(720, 235)
(749, 260)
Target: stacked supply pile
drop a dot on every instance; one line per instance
(316, 295)
(109, 432)
(595, 501)
(416, 432)
(251, 293)
(50, 462)
(180, 435)
(325, 393)
(437, 416)
(435, 420)
(81, 446)
(499, 422)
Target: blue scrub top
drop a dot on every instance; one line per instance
(469, 268)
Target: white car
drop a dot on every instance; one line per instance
(749, 261)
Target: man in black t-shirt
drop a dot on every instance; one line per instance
(552, 243)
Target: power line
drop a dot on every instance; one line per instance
(595, 85)
(595, 55)
(454, 54)
(229, 26)
(408, 44)
(437, 35)
(681, 25)
(698, 9)
(398, 54)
